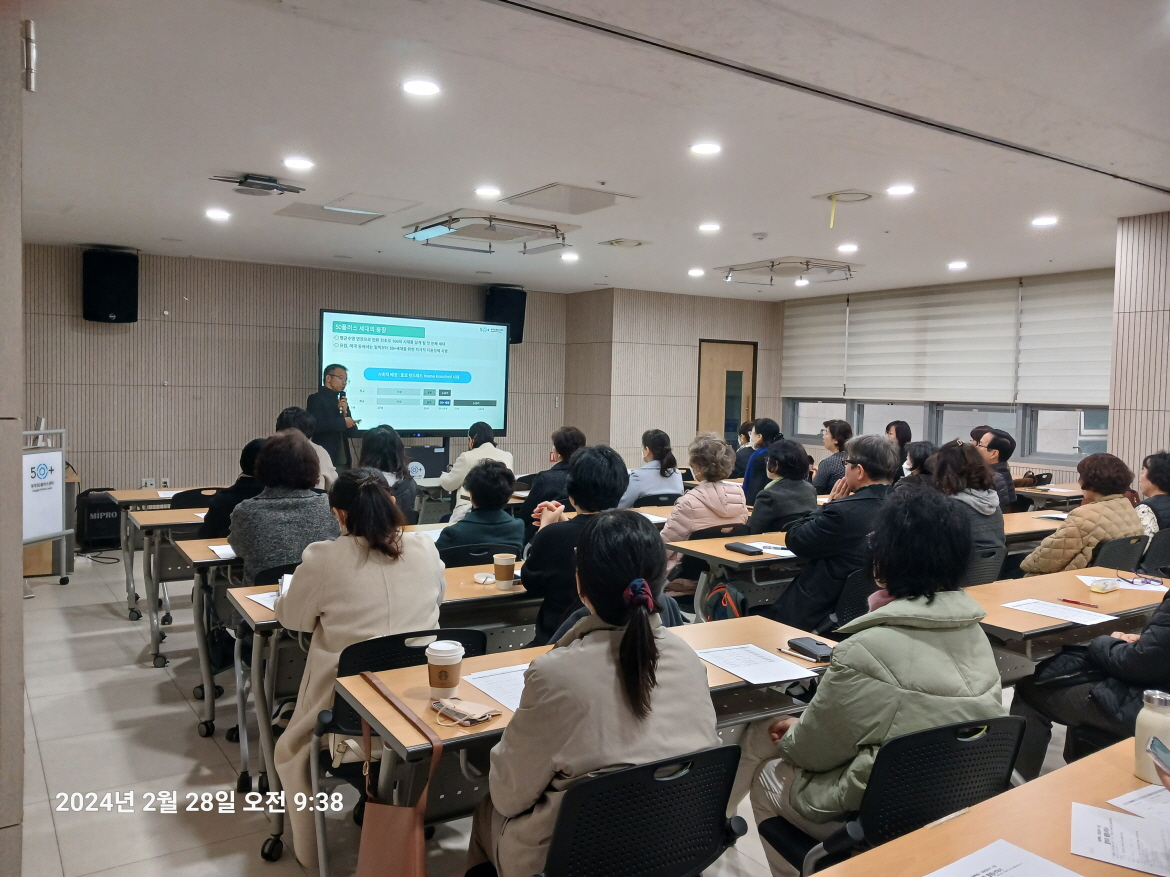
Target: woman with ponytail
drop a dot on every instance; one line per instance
(617, 690)
(659, 472)
(375, 580)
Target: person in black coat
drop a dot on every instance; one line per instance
(835, 538)
(788, 496)
(331, 413)
(490, 484)
(597, 479)
(218, 519)
(549, 485)
(745, 449)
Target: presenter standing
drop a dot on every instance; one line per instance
(330, 408)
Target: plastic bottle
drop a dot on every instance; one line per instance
(1152, 721)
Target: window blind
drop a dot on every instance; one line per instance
(814, 348)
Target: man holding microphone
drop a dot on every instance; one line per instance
(331, 410)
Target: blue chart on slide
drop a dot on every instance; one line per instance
(419, 375)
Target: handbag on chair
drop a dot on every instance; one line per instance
(392, 836)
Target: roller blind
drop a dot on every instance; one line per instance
(814, 348)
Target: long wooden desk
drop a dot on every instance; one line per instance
(721, 561)
(1027, 526)
(1036, 816)
(1053, 494)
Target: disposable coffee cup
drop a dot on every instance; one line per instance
(505, 570)
(444, 663)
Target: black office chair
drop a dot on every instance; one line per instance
(1022, 504)
(693, 567)
(382, 653)
(1157, 554)
(195, 498)
(853, 601)
(656, 499)
(1043, 479)
(664, 819)
(273, 575)
(1120, 554)
(985, 566)
(474, 555)
(916, 779)
(524, 482)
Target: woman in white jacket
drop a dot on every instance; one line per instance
(373, 581)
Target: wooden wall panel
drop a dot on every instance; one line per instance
(588, 363)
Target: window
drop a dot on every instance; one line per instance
(875, 415)
(1069, 433)
(810, 416)
(959, 420)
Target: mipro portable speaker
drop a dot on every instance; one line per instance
(505, 304)
(109, 286)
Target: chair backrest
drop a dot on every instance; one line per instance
(729, 530)
(474, 555)
(1158, 553)
(664, 819)
(195, 498)
(1022, 504)
(273, 575)
(920, 777)
(1043, 479)
(1120, 554)
(391, 653)
(854, 599)
(656, 499)
(984, 566)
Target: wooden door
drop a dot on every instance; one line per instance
(727, 386)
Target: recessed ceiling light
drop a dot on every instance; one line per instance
(957, 266)
(217, 214)
(1042, 221)
(423, 87)
(569, 257)
(487, 192)
(800, 281)
(696, 272)
(900, 189)
(847, 248)
(297, 163)
(709, 226)
(706, 148)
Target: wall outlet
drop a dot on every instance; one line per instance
(147, 483)
(164, 482)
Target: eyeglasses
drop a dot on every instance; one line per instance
(344, 378)
(853, 463)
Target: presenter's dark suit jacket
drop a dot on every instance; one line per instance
(331, 431)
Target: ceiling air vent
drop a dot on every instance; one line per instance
(563, 198)
(766, 271)
(623, 243)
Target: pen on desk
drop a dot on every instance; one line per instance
(802, 657)
(1078, 603)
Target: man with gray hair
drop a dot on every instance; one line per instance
(835, 538)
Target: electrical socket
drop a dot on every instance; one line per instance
(164, 482)
(147, 483)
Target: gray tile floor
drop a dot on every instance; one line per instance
(99, 718)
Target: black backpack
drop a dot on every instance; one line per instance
(97, 520)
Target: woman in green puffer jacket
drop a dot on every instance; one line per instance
(917, 660)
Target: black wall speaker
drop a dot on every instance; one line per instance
(505, 304)
(109, 286)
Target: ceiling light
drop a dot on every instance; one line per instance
(1042, 221)
(487, 192)
(900, 189)
(847, 248)
(706, 148)
(696, 272)
(709, 226)
(298, 164)
(957, 266)
(569, 257)
(800, 281)
(217, 214)
(423, 87)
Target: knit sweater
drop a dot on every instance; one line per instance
(276, 526)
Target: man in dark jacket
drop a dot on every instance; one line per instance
(330, 410)
(997, 447)
(765, 430)
(835, 538)
(549, 485)
(490, 484)
(789, 496)
(745, 449)
(218, 519)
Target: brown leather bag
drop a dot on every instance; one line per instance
(392, 836)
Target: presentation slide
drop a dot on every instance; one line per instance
(423, 377)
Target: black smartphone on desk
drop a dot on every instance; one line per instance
(813, 650)
(743, 548)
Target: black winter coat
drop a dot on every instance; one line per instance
(547, 486)
(1133, 667)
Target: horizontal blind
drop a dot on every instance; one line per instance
(814, 348)
(1066, 339)
(953, 344)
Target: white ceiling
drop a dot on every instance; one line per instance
(139, 101)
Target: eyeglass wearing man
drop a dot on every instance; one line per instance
(997, 447)
(335, 422)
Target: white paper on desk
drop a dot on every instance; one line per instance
(201, 515)
(267, 599)
(1000, 859)
(433, 535)
(1058, 610)
(653, 519)
(1151, 802)
(753, 665)
(504, 685)
(285, 581)
(521, 492)
(168, 494)
(1054, 516)
(1121, 839)
(1125, 585)
(772, 548)
(223, 552)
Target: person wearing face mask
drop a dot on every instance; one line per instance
(1154, 509)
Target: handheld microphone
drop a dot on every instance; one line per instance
(342, 404)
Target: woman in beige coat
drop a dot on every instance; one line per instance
(1103, 514)
(373, 581)
(589, 705)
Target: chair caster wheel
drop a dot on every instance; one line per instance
(219, 691)
(232, 735)
(135, 614)
(272, 849)
(166, 619)
(197, 692)
(160, 660)
(262, 784)
(136, 597)
(161, 635)
(206, 729)
(64, 580)
(243, 783)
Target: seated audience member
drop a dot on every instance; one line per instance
(375, 580)
(745, 449)
(490, 484)
(832, 469)
(218, 519)
(961, 474)
(997, 448)
(277, 524)
(835, 538)
(618, 690)
(916, 471)
(298, 418)
(658, 473)
(978, 432)
(1103, 514)
(550, 484)
(382, 449)
(788, 496)
(480, 447)
(712, 503)
(765, 430)
(917, 660)
(1154, 509)
(597, 477)
(898, 431)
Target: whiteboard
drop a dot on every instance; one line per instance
(43, 477)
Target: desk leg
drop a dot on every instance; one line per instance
(149, 559)
(269, 779)
(199, 612)
(244, 780)
(126, 535)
